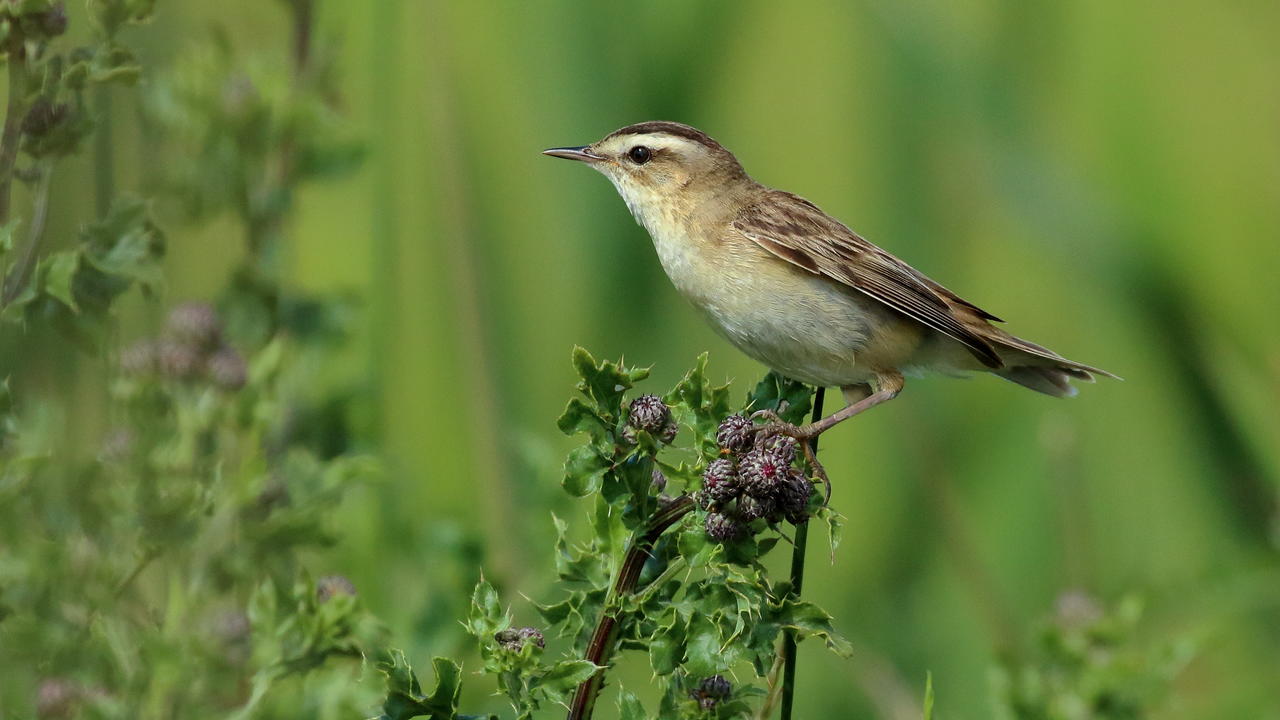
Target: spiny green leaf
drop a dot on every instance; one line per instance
(578, 417)
(584, 471)
(776, 391)
(564, 676)
(809, 620)
(404, 694)
(486, 616)
(629, 707)
(605, 382)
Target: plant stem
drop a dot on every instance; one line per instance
(16, 281)
(12, 132)
(600, 649)
(797, 581)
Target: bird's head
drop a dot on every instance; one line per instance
(659, 165)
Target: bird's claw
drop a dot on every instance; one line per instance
(775, 425)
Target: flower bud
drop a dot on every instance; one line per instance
(227, 369)
(331, 586)
(782, 446)
(659, 481)
(196, 324)
(650, 414)
(762, 471)
(751, 507)
(734, 433)
(723, 528)
(514, 639)
(139, 358)
(794, 497)
(720, 482)
(43, 116)
(177, 361)
(711, 691)
(56, 698)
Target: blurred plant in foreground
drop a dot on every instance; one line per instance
(164, 574)
(1089, 665)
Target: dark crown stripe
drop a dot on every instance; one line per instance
(670, 128)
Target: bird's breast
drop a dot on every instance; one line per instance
(800, 324)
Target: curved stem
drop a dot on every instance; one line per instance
(600, 649)
(797, 580)
(12, 132)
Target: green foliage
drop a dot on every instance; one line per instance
(48, 119)
(1089, 664)
(165, 571)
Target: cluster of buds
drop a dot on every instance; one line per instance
(514, 639)
(711, 691)
(754, 478)
(191, 348)
(650, 414)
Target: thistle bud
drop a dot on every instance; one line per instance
(734, 433)
(227, 369)
(753, 508)
(650, 414)
(139, 358)
(762, 471)
(794, 497)
(722, 528)
(514, 639)
(177, 361)
(782, 446)
(331, 586)
(196, 324)
(720, 482)
(711, 691)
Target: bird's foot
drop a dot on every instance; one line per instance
(804, 434)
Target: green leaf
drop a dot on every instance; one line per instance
(584, 471)
(404, 694)
(666, 648)
(605, 382)
(565, 675)
(809, 620)
(486, 616)
(578, 417)
(776, 391)
(629, 707)
(58, 272)
(703, 647)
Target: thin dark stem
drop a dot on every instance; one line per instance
(16, 281)
(600, 649)
(12, 132)
(797, 582)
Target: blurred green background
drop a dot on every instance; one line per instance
(1105, 176)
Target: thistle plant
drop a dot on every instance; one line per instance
(669, 572)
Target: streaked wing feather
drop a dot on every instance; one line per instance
(795, 230)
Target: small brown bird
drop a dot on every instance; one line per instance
(797, 290)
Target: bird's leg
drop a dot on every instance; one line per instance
(859, 399)
(888, 385)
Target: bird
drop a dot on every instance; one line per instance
(796, 289)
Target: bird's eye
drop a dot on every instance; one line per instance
(639, 154)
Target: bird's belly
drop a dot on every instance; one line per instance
(804, 326)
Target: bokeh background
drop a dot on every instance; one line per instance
(1103, 175)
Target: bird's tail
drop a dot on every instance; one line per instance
(1040, 368)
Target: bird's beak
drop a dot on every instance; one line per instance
(580, 153)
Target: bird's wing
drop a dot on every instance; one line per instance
(795, 230)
